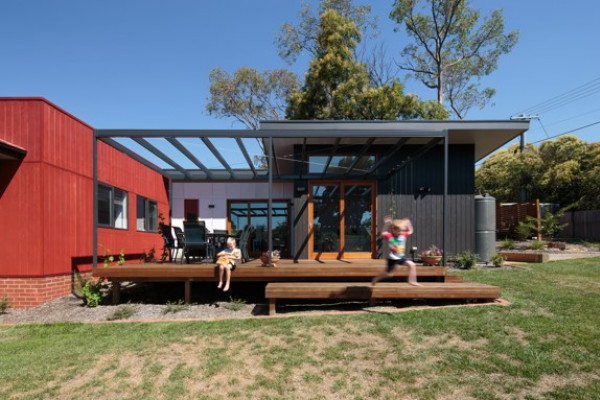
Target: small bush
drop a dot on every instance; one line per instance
(91, 293)
(508, 244)
(466, 260)
(235, 304)
(175, 307)
(557, 245)
(122, 312)
(536, 245)
(4, 304)
(523, 231)
(497, 260)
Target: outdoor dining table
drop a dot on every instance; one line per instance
(216, 243)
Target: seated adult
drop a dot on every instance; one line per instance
(227, 261)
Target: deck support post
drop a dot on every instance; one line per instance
(188, 291)
(272, 306)
(116, 292)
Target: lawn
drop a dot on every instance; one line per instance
(545, 345)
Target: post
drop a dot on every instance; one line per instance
(95, 201)
(270, 203)
(444, 202)
(539, 219)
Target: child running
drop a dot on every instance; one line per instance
(401, 229)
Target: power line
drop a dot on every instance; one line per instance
(585, 90)
(567, 132)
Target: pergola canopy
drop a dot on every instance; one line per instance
(181, 155)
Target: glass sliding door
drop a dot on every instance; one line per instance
(340, 217)
(326, 219)
(255, 213)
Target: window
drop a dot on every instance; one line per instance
(146, 215)
(339, 164)
(112, 207)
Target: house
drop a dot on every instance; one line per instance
(320, 190)
(47, 201)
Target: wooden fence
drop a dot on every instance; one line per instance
(582, 225)
(508, 215)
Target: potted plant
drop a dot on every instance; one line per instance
(432, 256)
(275, 257)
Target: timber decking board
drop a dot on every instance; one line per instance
(396, 290)
(382, 290)
(254, 271)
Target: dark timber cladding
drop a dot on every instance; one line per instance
(423, 169)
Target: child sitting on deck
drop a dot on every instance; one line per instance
(401, 229)
(226, 262)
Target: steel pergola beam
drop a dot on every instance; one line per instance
(152, 149)
(218, 155)
(357, 157)
(179, 146)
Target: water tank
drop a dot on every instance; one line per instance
(485, 227)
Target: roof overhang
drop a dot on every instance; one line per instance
(9, 151)
(485, 136)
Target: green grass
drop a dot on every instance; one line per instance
(543, 346)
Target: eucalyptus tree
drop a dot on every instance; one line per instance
(452, 48)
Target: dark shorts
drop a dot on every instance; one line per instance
(391, 264)
(232, 265)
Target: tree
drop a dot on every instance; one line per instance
(250, 96)
(561, 171)
(295, 39)
(452, 48)
(505, 172)
(337, 85)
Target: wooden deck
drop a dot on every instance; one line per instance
(382, 290)
(297, 275)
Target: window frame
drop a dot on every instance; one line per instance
(112, 205)
(147, 214)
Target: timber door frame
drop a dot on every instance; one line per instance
(342, 253)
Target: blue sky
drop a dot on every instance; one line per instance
(145, 64)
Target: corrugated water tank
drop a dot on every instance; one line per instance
(485, 227)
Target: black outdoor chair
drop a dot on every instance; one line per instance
(180, 242)
(169, 242)
(195, 241)
(243, 242)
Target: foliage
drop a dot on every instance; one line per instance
(235, 304)
(433, 250)
(274, 254)
(92, 293)
(250, 95)
(175, 307)
(507, 244)
(293, 40)
(337, 85)
(536, 245)
(122, 312)
(4, 304)
(466, 260)
(556, 245)
(108, 258)
(452, 47)
(497, 260)
(561, 171)
(523, 229)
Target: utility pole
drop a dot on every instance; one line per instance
(523, 117)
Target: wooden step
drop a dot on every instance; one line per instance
(453, 278)
(382, 290)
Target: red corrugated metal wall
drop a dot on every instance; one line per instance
(46, 210)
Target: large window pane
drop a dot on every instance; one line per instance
(146, 215)
(104, 194)
(112, 207)
(326, 218)
(357, 218)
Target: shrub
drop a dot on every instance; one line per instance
(557, 245)
(4, 304)
(235, 304)
(122, 312)
(536, 245)
(523, 231)
(466, 260)
(497, 260)
(91, 293)
(175, 307)
(507, 244)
